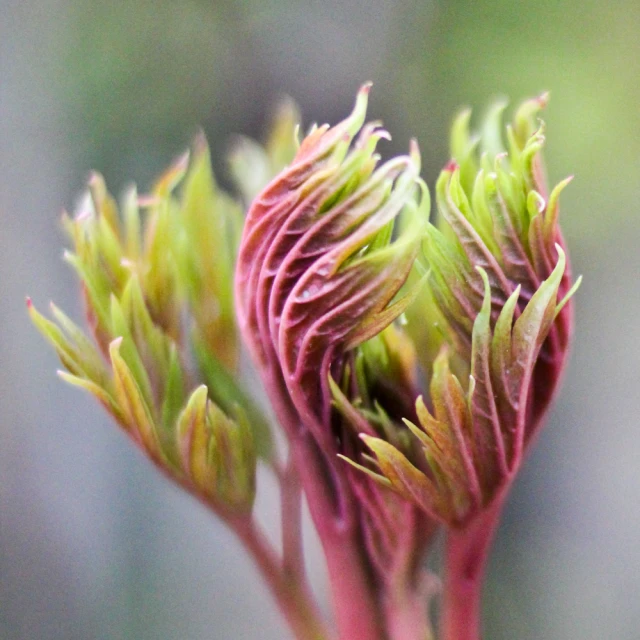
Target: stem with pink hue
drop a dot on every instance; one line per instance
(291, 520)
(466, 556)
(406, 615)
(285, 578)
(356, 605)
(291, 593)
(355, 601)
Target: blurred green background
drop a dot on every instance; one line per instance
(93, 543)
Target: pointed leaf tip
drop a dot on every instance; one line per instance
(568, 296)
(200, 144)
(414, 153)
(543, 99)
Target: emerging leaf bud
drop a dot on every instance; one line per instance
(499, 284)
(319, 281)
(158, 294)
(340, 317)
(319, 268)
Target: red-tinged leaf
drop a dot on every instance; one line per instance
(457, 300)
(360, 292)
(538, 247)
(445, 449)
(404, 477)
(532, 327)
(440, 450)
(474, 248)
(489, 447)
(514, 260)
(529, 332)
(376, 324)
(451, 408)
(301, 241)
(501, 358)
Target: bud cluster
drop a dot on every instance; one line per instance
(409, 361)
(496, 295)
(156, 280)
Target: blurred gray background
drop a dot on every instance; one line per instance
(93, 543)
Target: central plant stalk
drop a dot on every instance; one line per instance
(466, 554)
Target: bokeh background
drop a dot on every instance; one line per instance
(93, 543)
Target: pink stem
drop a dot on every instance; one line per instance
(293, 597)
(291, 505)
(291, 592)
(466, 556)
(355, 606)
(355, 600)
(406, 615)
(354, 594)
(410, 586)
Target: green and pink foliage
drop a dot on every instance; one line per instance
(498, 289)
(409, 362)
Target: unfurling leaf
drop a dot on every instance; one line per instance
(500, 283)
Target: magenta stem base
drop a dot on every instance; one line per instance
(466, 556)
